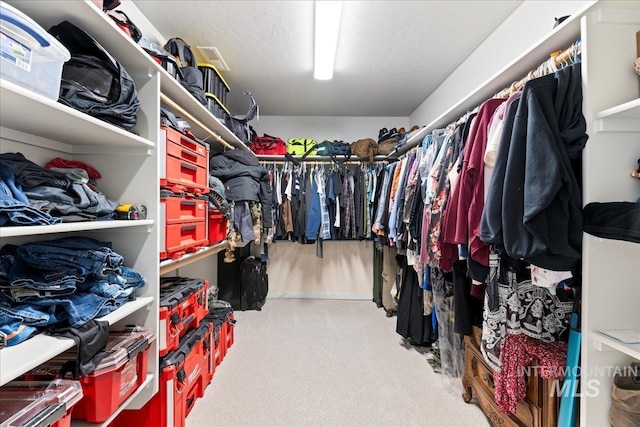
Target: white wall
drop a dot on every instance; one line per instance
(348, 129)
(344, 272)
(525, 27)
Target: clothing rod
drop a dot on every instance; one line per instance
(327, 159)
(282, 162)
(192, 119)
(559, 61)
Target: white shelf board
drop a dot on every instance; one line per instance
(55, 121)
(599, 340)
(628, 110)
(71, 226)
(170, 265)
(16, 360)
(147, 382)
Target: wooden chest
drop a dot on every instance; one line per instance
(539, 409)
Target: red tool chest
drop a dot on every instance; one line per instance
(183, 378)
(183, 304)
(221, 317)
(184, 163)
(38, 403)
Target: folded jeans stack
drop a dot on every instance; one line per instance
(67, 281)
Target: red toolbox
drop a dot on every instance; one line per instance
(183, 304)
(221, 317)
(184, 162)
(38, 403)
(230, 330)
(178, 210)
(183, 378)
(217, 227)
(176, 240)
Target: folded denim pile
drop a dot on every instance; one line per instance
(34, 195)
(62, 282)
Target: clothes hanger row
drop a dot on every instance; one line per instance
(557, 60)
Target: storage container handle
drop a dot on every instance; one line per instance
(48, 416)
(187, 320)
(134, 349)
(12, 19)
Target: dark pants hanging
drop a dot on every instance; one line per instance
(412, 323)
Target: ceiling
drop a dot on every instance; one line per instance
(391, 54)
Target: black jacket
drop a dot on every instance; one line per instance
(541, 203)
(243, 179)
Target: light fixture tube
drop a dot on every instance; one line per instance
(328, 14)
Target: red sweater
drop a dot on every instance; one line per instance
(464, 212)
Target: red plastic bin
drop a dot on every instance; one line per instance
(38, 403)
(117, 376)
(217, 227)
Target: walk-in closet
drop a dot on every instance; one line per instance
(319, 213)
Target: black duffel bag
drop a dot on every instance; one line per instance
(93, 81)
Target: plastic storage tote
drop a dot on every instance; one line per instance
(38, 403)
(31, 57)
(117, 376)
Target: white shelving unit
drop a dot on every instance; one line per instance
(42, 129)
(610, 268)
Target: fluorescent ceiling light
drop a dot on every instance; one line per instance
(328, 15)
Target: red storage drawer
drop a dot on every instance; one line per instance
(183, 378)
(217, 227)
(184, 163)
(183, 147)
(179, 210)
(178, 239)
(38, 403)
(183, 305)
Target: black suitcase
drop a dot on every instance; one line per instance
(254, 284)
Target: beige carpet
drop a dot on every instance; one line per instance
(327, 363)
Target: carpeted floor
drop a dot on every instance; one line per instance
(327, 363)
